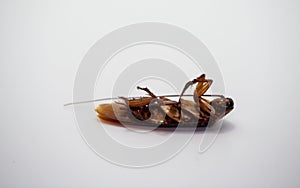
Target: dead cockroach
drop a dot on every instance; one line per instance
(161, 111)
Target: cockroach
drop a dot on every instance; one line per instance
(161, 111)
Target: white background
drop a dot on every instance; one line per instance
(256, 44)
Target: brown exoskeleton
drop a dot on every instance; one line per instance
(164, 112)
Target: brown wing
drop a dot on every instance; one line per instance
(112, 112)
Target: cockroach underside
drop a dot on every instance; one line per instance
(161, 111)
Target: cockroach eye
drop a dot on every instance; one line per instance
(229, 103)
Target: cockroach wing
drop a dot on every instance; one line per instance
(112, 112)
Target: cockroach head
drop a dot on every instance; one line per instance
(223, 104)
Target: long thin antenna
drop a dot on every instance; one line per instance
(88, 101)
(104, 99)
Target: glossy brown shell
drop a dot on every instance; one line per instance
(163, 112)
(163, 115)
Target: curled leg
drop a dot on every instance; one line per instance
(198, 80)
(201, 88)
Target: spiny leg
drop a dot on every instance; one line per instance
(147, 90)
(140, 102)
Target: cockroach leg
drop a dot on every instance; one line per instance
(198, 80)
(187, 85)
(147, 90)
(206, 100)
(202, 87)
(208, 107)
